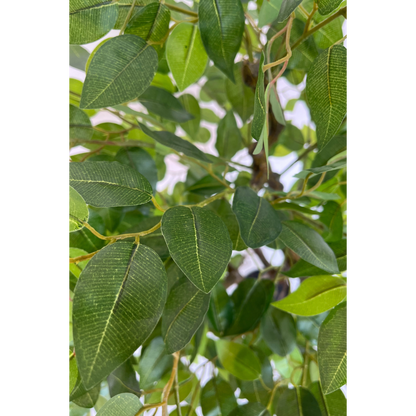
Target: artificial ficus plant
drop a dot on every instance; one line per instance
(162, 315)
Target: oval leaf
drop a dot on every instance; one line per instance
(328, 6)
(250, 409)
(80, 127)
(287, 7)
(315, 295)
(125, 404)
(118, 300)
(308, 245)
(78, 210)
(109, 184)
(184, 313)
(186, 55)
(220, 312)
(334, 404)
(239, 360)
(123, 380)
(121, 70)
(229, 138)
(332, 350)
(217, 398)
(259, 223)
(259, 117)
(297, 402)
(222, 25)
(190, 103)
(199, 243)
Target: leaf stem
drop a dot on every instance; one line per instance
(157, 206)
(166, 390)
(213, 198)
(177, 399)
(180, 10)
(128, 17)
(305, 153)
(82, 258)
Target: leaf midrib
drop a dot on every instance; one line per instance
(189, 53)
(110, 184)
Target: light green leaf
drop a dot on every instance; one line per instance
(330, 33)
(278, 330)
(184, 313)
(333, 404)
(239, 360)
(331, 216)
(151, 23)
(209, 115)
(123, 380)
(174, 142)
(125, 404)
(308, 245)
(297, 402)
(109, 184)
(259, 104)
(259, 223)
(250, 409)
(120, 71)
(239, 94)
(186, 55)
(78, 210)
(328, 6)
(288, 6)
(332, 350)
(277, 108)
(315, 295)
(190, 104)
(164, 104)
(163, 81)
(198, 242)
(110, 324)
(79, 124)
(222, 25)
(326, 89)
(269, 11)
(229, 140)
(78, 57)
(73, 372)
(303, 268)
(217, 398)
(90, 20)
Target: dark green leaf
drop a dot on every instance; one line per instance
(297, 402)
(125, 404)
(292, 138)
(123, 380)
(217, 398)
(288, 6)
(73, 373)
(190, 104)
(336, 145)
(229, 140)
(327, 168)
(79, 124)
(277, 108)
(78, 210)
(309, 326)
(88, 398)
(331, 216)
(220, 312)
(206, 186)
(328, 6)
(250, 409)
(110, 324)
(78, 57)
(334, 404)
(259, 104)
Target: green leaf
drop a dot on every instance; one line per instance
(303, 268)
(222, 25)
(259, 104)
(278, 330)
(331, 216)
(333, 404)
(190, 104)
(315, 295)
(151, 23)
(110, 324)
(186, 55)
(88, 398)
(120, 71)
(251, 300)
(139, 160)
(288, 6)
(184, 313)
(328, 6)
(217, 398)
(78, 57)
(154, 363)
(308, 245)
(336, 145)
(269, 11)
(332, 349)
(239, 94)
(229, 140)
(79, 124)
(125, 404)
(206, 186)
(277, 108)
(250, 409)
(164, 104)
(292, 138)
(123, 380)
(180, 145)
(258, 221)
(73, 372)
(297, 402)
(198, 242)
(220, 312)
(90, 20)
(239, 360)
(109, 184)
(321, 169)
(326, 89)
(309, 326)
(124, 7)
(78, 210)
(328, 34)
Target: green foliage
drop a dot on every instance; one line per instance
(162, 308)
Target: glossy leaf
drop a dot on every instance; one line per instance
(297, 402)
(326, 89)
(308, 245)
(80, 127)
(120, 71)
(186, 55)
(259, 104)
(109, 184)
(78, 210)
(259, 224)
(239, 360)
(123, 380)
(333, 404)
(180, 145)
(328, 6)
(220, 312)
(198, 242)
(217, 398)
(250, 409)
(78, 57)
(288, 6)
(229, 140)
(125, 404)
(332, 350)
(222, 24)
(278, 330)
(315, 295)
(109, 322)
(331, 216)
(184, 313)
